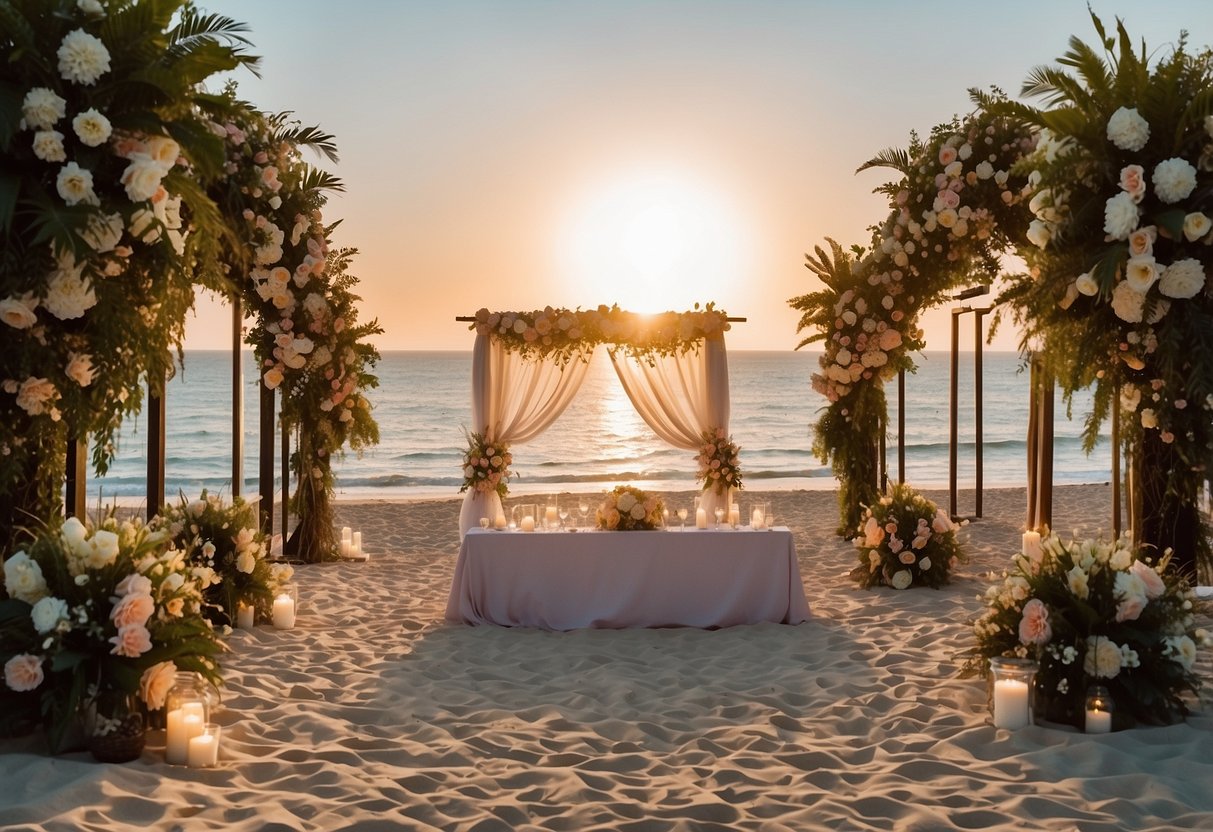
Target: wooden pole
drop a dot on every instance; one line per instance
(155, 448)
(978, 337)
(265, 461)
(286, 482)
(1033, 439)
(953, 409)
(901, 425)
(237, 398)
(884, 460)
(77, 473)
(1116, 518)
(1044, 482)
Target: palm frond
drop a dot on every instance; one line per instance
(320, 180)
(896, 158)
(197, 33)
(311, 137)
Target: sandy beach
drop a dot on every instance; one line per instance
(376, 714)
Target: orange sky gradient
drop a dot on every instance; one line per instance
(650, 154)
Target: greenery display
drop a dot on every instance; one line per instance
(906, 540)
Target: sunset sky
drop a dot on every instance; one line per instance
(650, 154)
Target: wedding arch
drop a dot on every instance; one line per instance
(528, 366)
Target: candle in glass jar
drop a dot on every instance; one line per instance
(734, 516)
(244, 616)
(1010, 703)
(701, 519)
(757, 519)
(1098, 722)
(204, 748)
(183, 724)
(499, 523)
(284, 612)
(552, 516)
(528, 524)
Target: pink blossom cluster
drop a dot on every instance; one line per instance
(486, 465)
(719, 468)
(868, 327)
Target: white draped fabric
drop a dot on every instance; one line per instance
(680, 396)
(513, 400)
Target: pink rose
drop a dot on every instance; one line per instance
(947, 155)
(1154, 585)
(949, 198)
(1034, 625)
(132, 641)
(895, 544)
(134, 584)
(133, 609)
(1141, 241)
(907, 557)
(23, 672)
(1133, 181)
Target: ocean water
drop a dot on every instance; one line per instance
(422, 406)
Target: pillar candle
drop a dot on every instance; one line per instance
(183, 725)
(1010, 703)
(356, 544)
(528, 523)
(244, 616)
(757, 521)
(552, 516)
(284, 612)
(1098, 722)
(345, 533)
(499, 523)
(1031, 546)
(203, 751)
(701, 519)
(345, 547)
(734, 516)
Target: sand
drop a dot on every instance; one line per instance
(375, 714)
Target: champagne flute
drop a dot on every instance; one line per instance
(583, 508)
(719, 516)
(682, 515)
(564, 515)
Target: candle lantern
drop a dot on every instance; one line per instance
(204, 747)
(286, 604)
(188, 708)
(1010, 692)
(1099, 710)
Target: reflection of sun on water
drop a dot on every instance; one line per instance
(652, 242)
(615, 420)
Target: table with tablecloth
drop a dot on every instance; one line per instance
(669, 578)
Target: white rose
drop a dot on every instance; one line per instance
(47, 613)
(42, 108)
(142, 177)
(1127, 303)
(69, 293)
(925, 564)
(1128, 130)
(23, 578)
(625, 502)
(637, 512)
(1086, 284)
(984, 170)
(1182, 650)
(92, 8)
(17, 313)
(1182, 279)
(1174, 179)
(82, 58)
(93, 128)
(1120, 216)
(48, 146)
(245, 562)
(1141, 272)
(163, 151)
(901, 579)
(80, 368)
(75, 184)
(36, 396)
(1196, 225)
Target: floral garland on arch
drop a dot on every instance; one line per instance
(1118, 293)
(564, 334)
(307, 338)
(103, 224)
(954, 210)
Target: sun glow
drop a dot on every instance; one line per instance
(652, 242)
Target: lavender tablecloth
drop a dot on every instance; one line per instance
(566, 581)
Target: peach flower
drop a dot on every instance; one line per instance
(132, 641)
(1034, 626)
(132, 609)
(23, 672)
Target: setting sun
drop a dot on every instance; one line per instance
(652, 241)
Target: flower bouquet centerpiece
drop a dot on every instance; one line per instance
(627, 508)
(1095, 612)
(486, 465)
(95, 617)
(224, 539)
(905, 540)
(717, 459)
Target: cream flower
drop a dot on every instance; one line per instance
(1155, 588)
(1142, 240)
(104, 232)
(1141, 273)
(1102, 658)
(1130, 397)
(82, 58)
(163, 151)
(155, 684)
(901, 579)
(246, 562)
(18, 313)
(1182, 279)
(42, 108)
(69, 293)
(1128, 130)
(23, 579)
(47, 613)
(80, 368)
(142, 177)
(1086, 285)
(1181, 649)
(23, 672)
(132, 641)
(92, 128)
(1174, 179)
(1120, 216)
(1127, 303)
(1149, 419)
(1076, 580)
(48, 146)
(36, 396)
(93, 8)
(1196, 225)
(75, 184)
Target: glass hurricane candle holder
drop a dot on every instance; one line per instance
(187, 708)
(286, 607)
(1099, 710)
(1010, 695)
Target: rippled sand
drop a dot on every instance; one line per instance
(374, 714)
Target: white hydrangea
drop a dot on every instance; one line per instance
(1120, 216)
(1174, 179)
(48, 146)
(75, 185)
(1128, 130)
(82, 58)
(42, 108)
(1102, 658)
(1183, 279)
(69, 294)
(92, 128)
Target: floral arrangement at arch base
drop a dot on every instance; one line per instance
(906, 540)
(1096, 612)
(226, 540)
(486, 465)
(719, 468)
(91, 609)
(627, 508)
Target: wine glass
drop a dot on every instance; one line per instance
(719, 516)
(682, 515)
(583, 508)
(564, 515)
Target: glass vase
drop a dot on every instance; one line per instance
(1011, 692)
(114, 726)
(1097, 718)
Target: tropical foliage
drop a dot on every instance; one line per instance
(104, 221)
(1117, 292)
